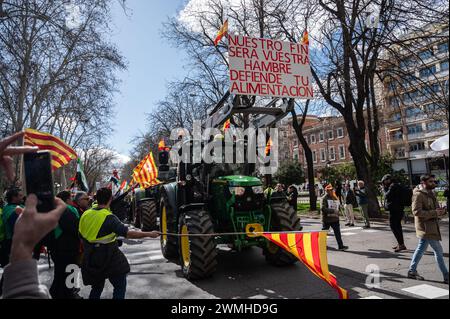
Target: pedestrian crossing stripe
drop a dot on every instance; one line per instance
(427, 291)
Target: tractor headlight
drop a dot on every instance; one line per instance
(238, 191)
(258, 189)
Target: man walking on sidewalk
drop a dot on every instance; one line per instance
(427, 212)
(393, 203)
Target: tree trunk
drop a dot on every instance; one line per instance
(308, 154)
(357, 148)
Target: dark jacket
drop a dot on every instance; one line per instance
(349, 197)
(69, 241)
(101, 261)
(393, 198)
(328, 215)
(361, 196)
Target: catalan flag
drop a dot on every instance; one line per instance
(222, 32)
(146, 173)
(61, 153)
(310, 249)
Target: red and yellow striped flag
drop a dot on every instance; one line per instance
(305, 38)
(310, 249)
(222, 32)
(226, 125)
(146, 173)
(61, 153)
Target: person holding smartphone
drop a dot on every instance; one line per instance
(427, 213)
(21, 274)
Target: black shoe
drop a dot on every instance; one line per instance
(366, 227)
(301, 228)
(343, 248)
(414, 275)
(446, 281)
(352, 225)
(348, 224)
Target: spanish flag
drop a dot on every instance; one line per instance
(305, 38)
(146, 173)
(222, 32)
(311, 250)
(61, 153)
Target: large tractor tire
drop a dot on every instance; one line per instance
(284, 218)
(197, 253)
(137, 221)
(149, 212)
(169, 244)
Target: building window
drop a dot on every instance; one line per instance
(314, 155)
(323, 156)
(397, 136)
(332, 153)
(296, 157)
(340, 132)
(444, 66)
(443, 47)
(396, 117)
(424, 55)
(321, 137)
(410, 97)
(426, 72)
(313, 139)
(330, 135)
(406, 63)
(417, 147)
(414, 129)
(399, 152)
(341, 152)
(413, 112)
(435, 126)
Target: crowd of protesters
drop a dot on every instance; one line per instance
(80, 232)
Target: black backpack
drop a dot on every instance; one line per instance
(406, 195)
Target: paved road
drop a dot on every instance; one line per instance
(246, 274)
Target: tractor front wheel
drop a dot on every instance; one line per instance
(169, 244)
(284, 218)
(197, 253)
(149, 213)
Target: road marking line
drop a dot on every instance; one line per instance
(348, 234)
(258, 297)
(371, 231)
(371, 297)
(351, 228)
(427, 291)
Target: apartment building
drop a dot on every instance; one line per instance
(327, 138)
(415, 104)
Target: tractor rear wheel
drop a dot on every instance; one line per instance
(197, 254)
(169, 244)
(284, 218)
(149, 213)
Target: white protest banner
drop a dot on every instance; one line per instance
(267, 67)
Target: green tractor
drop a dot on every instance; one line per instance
(213, 199)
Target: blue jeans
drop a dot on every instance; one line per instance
(120, 287)
(438, 255)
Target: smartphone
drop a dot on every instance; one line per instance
(39, 179)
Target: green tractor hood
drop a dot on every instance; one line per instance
(239, 180)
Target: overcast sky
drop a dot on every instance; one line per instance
(151, 64)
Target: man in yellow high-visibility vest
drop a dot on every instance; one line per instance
(102, 259)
